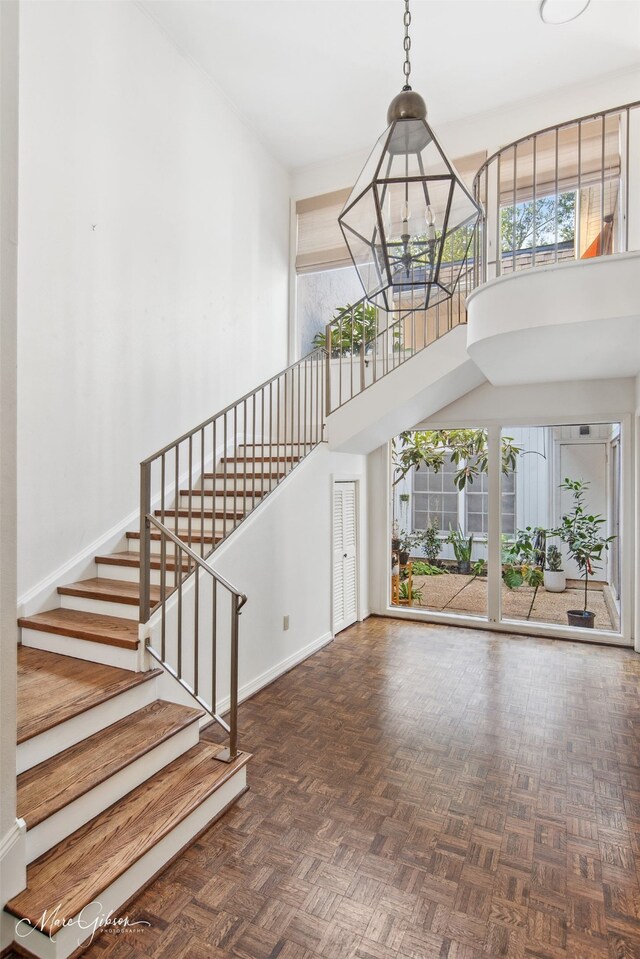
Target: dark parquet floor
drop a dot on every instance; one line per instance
(420, 791)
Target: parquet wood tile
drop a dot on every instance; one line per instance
(421, 792)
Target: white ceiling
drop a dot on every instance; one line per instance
(313, 78)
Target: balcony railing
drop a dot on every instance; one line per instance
(566, 192)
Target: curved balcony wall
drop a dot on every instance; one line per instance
(570, 192)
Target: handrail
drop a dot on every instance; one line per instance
(198, 560)
(178, 671)
(567, 180)
(277, 424)
(364, 343)
(229, 408)
(556, 126)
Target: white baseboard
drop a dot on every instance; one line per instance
(44, 594)
(13, 874)
(247, 690)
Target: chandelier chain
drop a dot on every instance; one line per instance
(407, 45)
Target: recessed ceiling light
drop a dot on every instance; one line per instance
(562, 11)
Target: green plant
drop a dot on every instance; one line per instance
(352, 325)
(466, 449)
(403, 592)
(462, 546)
(582, 533)
(426, 569)
(527, 547)
(407, 541)
(479, 568)
(554, 559)
(429, 541)
(523, 560)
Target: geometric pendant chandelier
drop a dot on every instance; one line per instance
(410, 219)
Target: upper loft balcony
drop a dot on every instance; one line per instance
(557, 255)
(548, 289)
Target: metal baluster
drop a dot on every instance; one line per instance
(224, 482)
(191, 481)
(601, 250)
(235, 462)
(196, 636)
(179, 561)
(214, 645)
(535, 212)
(176, 513)
(513, 231)
(145, 541)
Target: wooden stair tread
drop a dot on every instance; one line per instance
(110, 630)
(249, 476)
(207, 513)
(45, 789)
(114, 590)
(73, 873)
(259, 459)
(132, 558)
(228, 492)
(183, 534)
(54, 688)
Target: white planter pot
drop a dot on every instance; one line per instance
(555, 582)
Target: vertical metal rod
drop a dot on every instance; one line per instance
(534, 236)
(191, 481)
(214, 462)
(284, 415)
(601, 249)
(202, 488)
(328, 369)
(225, 453)
(306, 390)
(235, 461)
(196, 627)
(351, 353)
(214, 646)
(233, 704)
(626, 182)
(555, 213)
(264, 460)
(292, 421)
(176, 516)
(179, 563)
(294, 371)
(278, 424)
(515, 183)
(145, 541)
(498, 242)
(163, 595)
(579, 203)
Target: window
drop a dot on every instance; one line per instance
(437, 499)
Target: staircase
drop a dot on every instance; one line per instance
(113, 778)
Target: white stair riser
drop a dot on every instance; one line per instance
(208, 523)
(239, 503)
(67, 939)
(134, 546)
(239, 466)
(131, 574)
(104, 607)
(85, 649)
(57, 827)
(72, 731)
(248, 482)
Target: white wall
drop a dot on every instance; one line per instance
(281, 557)
(12, 873)
(485, 131)
(153, 262)
(319, 296)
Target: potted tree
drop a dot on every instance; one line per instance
(406, 545)
(462, 549)
(582, 533)
(555, 578)
(430, 543)
(523, 562)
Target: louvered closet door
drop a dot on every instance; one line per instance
(345, 560)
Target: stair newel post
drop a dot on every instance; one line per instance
(233, 701)
(145, 540)
(328, 369)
